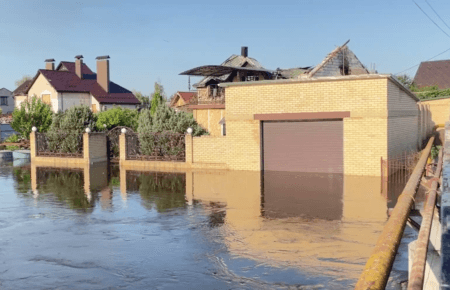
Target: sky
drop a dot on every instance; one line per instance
(151, 41)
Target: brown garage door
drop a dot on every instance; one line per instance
(313, 146)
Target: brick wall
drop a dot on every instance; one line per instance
(440, 110)
(403, 114)
(365, 132)
(209, 150)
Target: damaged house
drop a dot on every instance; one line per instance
(208, 106)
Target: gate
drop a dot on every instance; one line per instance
(112, 138)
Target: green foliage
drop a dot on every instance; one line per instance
(165, 191)
(22, 176)
(1, 111)
(145, 100)
(117, 116)
(145, 122)
(406, 80)
(12, 139)
(435, 151)
(31, 113)
(158, 98)
(65, 134)
(22, 80)
(12, 147)
(166, 119)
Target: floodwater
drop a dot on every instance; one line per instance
(102, 227)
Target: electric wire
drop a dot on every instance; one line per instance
(425, 60)
(437, 14)
(431, 19)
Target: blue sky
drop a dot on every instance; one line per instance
(152, 41)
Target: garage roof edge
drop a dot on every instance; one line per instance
(325, 79)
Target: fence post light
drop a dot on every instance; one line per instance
(88, 130)
(123, 130)
(34, 129)
(189, 130)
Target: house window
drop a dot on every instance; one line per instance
(213, 90)
(46, 99)
(4, 101)
(252, 78)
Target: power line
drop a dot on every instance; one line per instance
(421, 62)
(437, 14)
(431, 19)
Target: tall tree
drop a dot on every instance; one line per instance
(22, 80)
(145, 100)
(158, 97)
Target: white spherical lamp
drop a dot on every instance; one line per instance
(123, 130)
(88, 130)
(189, 130)
(34, 129)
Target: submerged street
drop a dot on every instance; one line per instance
(195, 230)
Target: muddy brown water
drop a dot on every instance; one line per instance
(100, 227)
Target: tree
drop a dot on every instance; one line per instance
(31, 113)
(145, 100)
(22, 80)
(117, 116)
(158, 97)
(406, 80)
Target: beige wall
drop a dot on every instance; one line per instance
(365, 131)
(440, 110)
(209, 120)
(42, 86)
(209, 149)
(18, 100)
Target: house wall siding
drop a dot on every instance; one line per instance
(18, 100)
(9, 107)
(68, 100)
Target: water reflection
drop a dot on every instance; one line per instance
(321, 227)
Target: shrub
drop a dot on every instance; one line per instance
(117, 117)
(166, 119)
(12, 147)
(31, 113)
(12, 139)
(65, 133)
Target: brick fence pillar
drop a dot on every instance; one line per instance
(122, 147)
(189, 147)
(32, 145)
(86, 147)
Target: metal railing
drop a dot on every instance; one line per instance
(417, 274)
(378, 267)
(54, 147)
(165, 146)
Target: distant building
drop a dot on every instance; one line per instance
(433, 73)
(6, 101)
(73, 83)
(182, 100)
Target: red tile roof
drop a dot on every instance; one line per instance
(70, 66)
(432, 73)
(68, 81)
(187, 96)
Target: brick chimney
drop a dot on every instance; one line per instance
(103, 72)
(79, 66)
(50, 64)
(244, 51)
